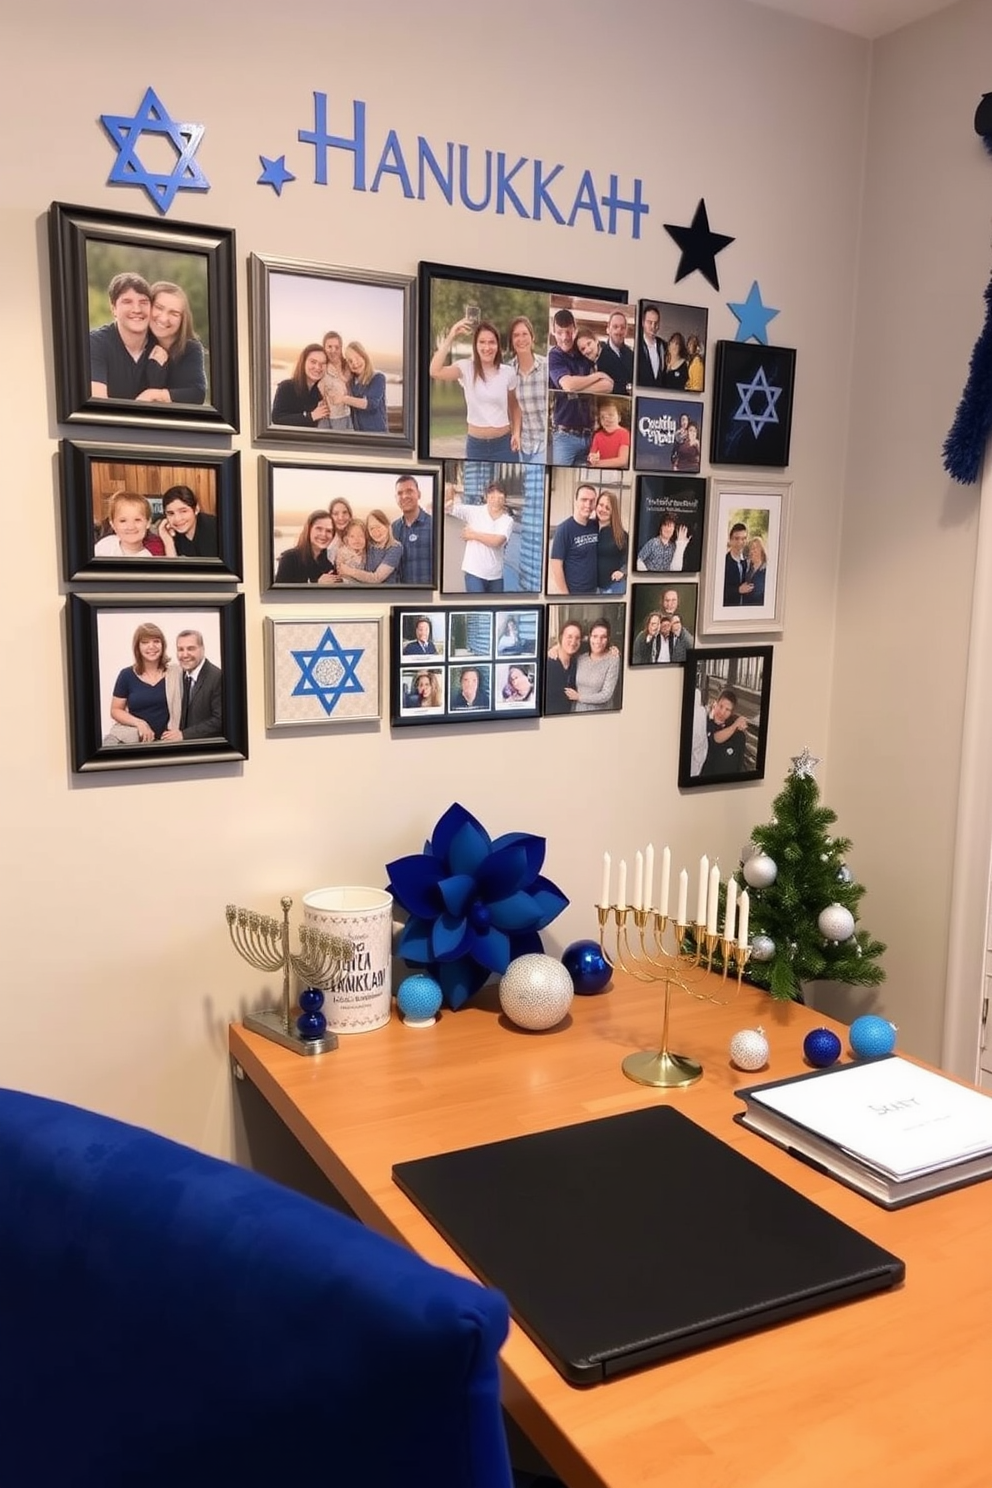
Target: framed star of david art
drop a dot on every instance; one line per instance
(752, 404)
(321, 672)
(144, 320)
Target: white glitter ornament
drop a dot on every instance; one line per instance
(835, 922)
(762, 948)
(749, 1049)
(760, 871)
(536, 991)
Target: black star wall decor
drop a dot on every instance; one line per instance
(699, 246)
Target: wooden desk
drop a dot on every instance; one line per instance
(891, 1391)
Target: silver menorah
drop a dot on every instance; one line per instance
(263, 941)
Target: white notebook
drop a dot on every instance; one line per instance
(889, 1113)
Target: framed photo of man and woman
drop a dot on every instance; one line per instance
(156, 680)
(518, 369)
(123, 505)
(350, 528)
(332, 354)
(746, 557)
(589, 531)
(724, 729)
(456, 665)
(144, 319)
(584, 671)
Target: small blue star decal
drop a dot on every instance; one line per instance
(753, 316)
(274, 173)
(153, 117)
(746, 414)
(328, 671)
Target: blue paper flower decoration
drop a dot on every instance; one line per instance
(474, 904)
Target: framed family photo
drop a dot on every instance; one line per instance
(671, 346)
(663, 624)
(461, 665)
(125, 505)
(746, 557)
(584, 672)
(144, 321)
(752, 404)
(156, 679)
(332, 354)
(724, 728)
(669, 524)
(589, 523)
(492, 531)
(517, 368)
(668, 435)
(348, 527)
(321, 672)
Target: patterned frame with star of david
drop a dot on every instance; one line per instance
(88, 247)
(322, 672)
(751, 418)
(100, 636)
(764, 509)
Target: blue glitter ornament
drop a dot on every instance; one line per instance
(821, 1047)
(311, 1024)
(418, 999)
(871, 1036)
(587, 966)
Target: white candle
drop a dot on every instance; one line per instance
(649, 875)
(683, 909)
(604, 893)
(638, 880)
(713, 901)
(730, 918)
(704, 873)
(744, 909)
(666, 874)
(622, 885)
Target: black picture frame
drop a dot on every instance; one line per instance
(448, 294)
(561, 672)
(292, 301)
(91, 474)
(573, 567)
(690, 321)
(88, 248)
(494, 641)
(663, 435)
(517, 566)
(746, 672)
(100, 636)
(675, 502)
(295, 493)
(667, 599)
(753, 394)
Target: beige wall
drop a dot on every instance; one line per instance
(119, 981)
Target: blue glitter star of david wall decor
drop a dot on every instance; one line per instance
(752, 404)
(328, 672)
(767, 396)
(153, 118)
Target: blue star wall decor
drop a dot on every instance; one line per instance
(328, 672)
(752, 404)
(153, 118)
(274, 173)
(699, 246)
(753, 316)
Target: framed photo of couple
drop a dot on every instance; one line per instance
(124, 505)
(514, 369)
(144, 319)
(724, 728)
(332, 354)
(585, 657)
(459, 665)
(747, 549)
(156, 679)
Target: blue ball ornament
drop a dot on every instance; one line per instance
(418, 999)
(821, 1047)
(871, 1036)
(587, 966)
(311, 1024)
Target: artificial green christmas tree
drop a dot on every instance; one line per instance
(804, 899)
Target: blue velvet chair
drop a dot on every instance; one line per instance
(171, 1321)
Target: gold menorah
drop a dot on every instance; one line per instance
(263, 941)
(685, 964)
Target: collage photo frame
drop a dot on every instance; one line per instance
(457, 664)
